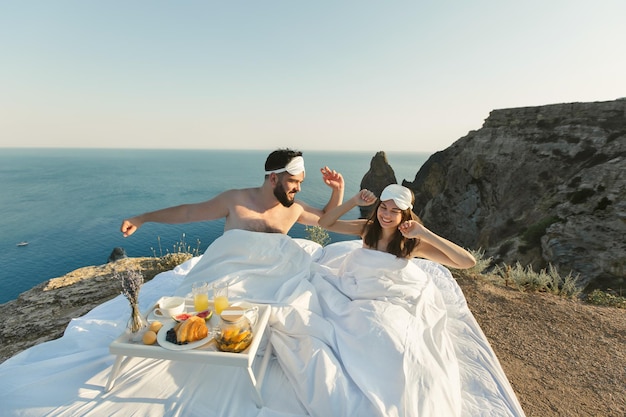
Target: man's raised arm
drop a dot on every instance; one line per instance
(335, 181)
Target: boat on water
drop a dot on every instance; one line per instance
(24, 243)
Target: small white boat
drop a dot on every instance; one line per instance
(23, 243)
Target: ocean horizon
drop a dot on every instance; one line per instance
(68, 204)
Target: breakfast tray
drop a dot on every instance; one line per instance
(206, 354)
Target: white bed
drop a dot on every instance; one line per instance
(355, 333)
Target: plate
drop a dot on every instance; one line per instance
(161, 339)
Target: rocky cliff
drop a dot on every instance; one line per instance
(43, 312)
(539, 185)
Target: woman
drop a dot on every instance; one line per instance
(394, 228)
(394, 308)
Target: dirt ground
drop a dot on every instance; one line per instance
(563, 357)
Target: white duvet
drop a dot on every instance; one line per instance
(355, 332)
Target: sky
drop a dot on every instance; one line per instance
(311, 75)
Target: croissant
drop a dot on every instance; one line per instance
(191, 330)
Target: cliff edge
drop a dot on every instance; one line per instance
(536, 185)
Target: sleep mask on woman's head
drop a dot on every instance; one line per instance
(294, 167)
(402, 196)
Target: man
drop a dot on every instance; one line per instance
(272, 207)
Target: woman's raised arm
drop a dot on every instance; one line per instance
(330, 219)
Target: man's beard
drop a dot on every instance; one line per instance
(281, 195)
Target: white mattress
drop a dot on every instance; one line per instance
(354, 332)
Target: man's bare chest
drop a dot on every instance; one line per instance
(276, 220)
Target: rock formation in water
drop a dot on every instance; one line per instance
(539, 185)
(377, 178)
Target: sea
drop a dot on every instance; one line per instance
(68, 204)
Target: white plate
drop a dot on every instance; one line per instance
(161, 336)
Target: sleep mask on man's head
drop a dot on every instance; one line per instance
(400, 195)
(294, 167)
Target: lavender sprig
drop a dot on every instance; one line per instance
(131, 284)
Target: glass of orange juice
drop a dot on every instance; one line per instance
(200, 296)
(220, 296)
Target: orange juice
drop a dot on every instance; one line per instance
(220, 303)
(201, 302)
(200, 292)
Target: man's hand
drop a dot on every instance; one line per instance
(332, 178)
(129, 226)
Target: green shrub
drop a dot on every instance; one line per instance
(601, 298)
(178, 247)
(172, 260)
(568, 286)
(317, 234)
(181, 252)
(527, 280)
(482, 264)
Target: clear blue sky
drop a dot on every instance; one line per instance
(311, 75)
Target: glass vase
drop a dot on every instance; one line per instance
(137, 324)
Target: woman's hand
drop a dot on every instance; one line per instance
(364, 198)
(411, 229)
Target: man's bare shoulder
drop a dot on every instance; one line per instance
(226, 201)
(237, 194)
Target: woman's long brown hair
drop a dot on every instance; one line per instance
(399, 245)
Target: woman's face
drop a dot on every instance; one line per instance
(389, 215)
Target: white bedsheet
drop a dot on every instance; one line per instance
(355, 333)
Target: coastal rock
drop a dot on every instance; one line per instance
(379, 176)
(117, 254)
(539, 185)
(43, 312)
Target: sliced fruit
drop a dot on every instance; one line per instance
(206, 314)
(182, 317)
